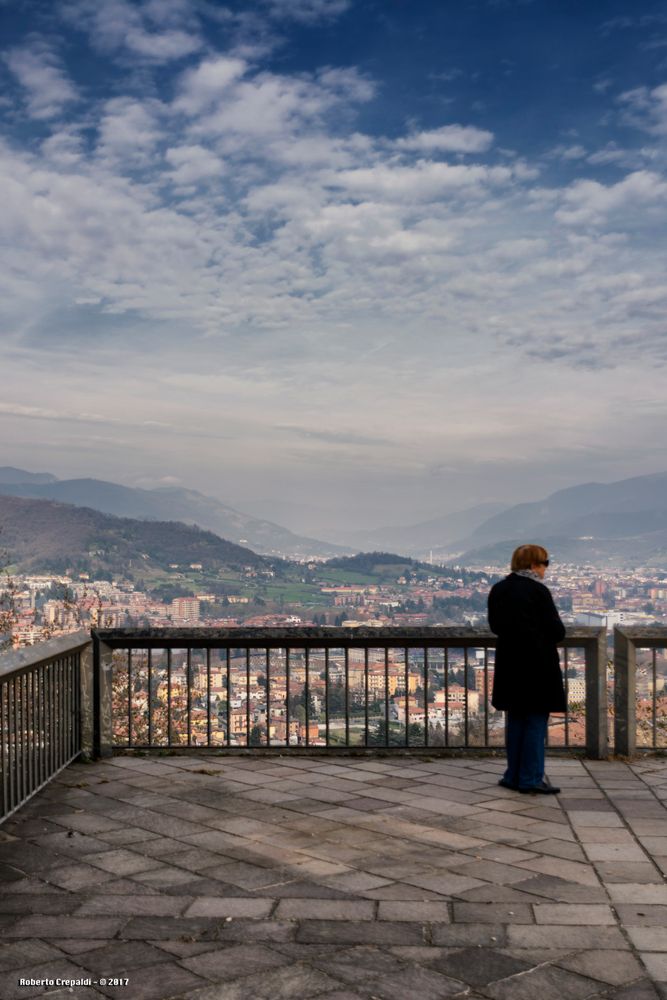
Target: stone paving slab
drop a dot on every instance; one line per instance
(218, 878)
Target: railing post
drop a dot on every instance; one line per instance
(597, 730)
(102, 714)
(86, 701)
(625, 694)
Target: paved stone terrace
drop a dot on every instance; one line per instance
(229, 878)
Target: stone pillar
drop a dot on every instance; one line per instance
(597, 714)
(625, 694)
(102, 742)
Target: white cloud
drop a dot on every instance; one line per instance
(572, 152)
(423, 181)
(646, 108)
(161, 46)
(192, 164)
(347, 83)
(47, 87)
(589, 202)
(129, 130)
(157, 31)
(449, 139)
(307, 11)
(205, 85)
(268, 105)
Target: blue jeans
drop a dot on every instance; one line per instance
(525, 733)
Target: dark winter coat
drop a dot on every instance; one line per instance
(527, 675)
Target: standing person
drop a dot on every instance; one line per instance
(527, 681)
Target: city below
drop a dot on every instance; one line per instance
(45, 605)
(359, 697)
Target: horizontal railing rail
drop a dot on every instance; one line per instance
(308, 688)
(640, 679)
(40, 715)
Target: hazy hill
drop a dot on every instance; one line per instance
(559, 512)
(171, 504)
(42, 535)
(620, 523)
(384, 566)
(419, 539)
(9, 475)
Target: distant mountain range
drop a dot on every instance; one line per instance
(9, 475)
(620, 523)
(42, 535)
(419, 539)
(167, 504)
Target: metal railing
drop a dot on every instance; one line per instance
(40, 715)
(640, 703)
(328, 688)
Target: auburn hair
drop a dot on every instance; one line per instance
(528, 555)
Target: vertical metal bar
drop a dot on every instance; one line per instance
(654, 702)
(209, 733)
(567, 698)
(41, 707)
(4, 732)
(486, 696)
(188, 681)
(287, 687)
(64, 704)
(63, 712)
(446, 665)
(268, 697)
(386, 696)
(17, 747)
(366, 680)
(34, 727)
(347, 696)
(77, 701)
(23, 735)
(27, 734)
(307, 689)
(73, 707)
(169, 696)
(4, 747)
(11, 748)
(326, 693)
(32, 738)
(229, 702)
(129, 697)
(53, 718)
(149, 681)
(19, 742)
(67, 720)
(58, 714)
(247, 696)
(51, 710)
(426, 734)
(70, 707)
(465, 696)
(407, 696)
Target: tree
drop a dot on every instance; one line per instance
(415, 735)
(377, 737)
(436, 735)
(257, 736)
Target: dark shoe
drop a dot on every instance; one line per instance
(544, 788)
(507, 784)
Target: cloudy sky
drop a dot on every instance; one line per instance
(364, 260)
